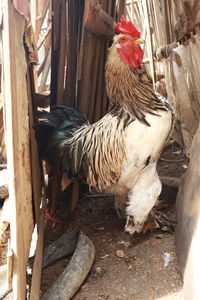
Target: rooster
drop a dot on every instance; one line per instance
(119, 153)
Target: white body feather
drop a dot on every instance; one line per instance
(143, 141)
(141, 181)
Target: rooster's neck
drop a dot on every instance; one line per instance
(130, 88)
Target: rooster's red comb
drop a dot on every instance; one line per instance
(124, 26)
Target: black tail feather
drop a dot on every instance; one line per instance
(53, 128)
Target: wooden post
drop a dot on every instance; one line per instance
(146, 14)
(17, 142)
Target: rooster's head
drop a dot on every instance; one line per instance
(128, 43)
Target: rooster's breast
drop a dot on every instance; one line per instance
(143, 144)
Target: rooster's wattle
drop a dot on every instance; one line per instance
(119, 153)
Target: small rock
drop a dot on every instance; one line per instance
(178, 152)
(126, 244)
(127, 259)
(120, 253)
(96, 273)
(106, 255)
(184, 166)
(99, 270)
(99, 228)
(130, 267)
(84, 287)
(4, 191)
(167, 257)
(159, 236)
(4, 184)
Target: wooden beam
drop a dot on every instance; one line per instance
(97, 20)
(17, 141)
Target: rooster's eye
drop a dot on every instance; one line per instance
(123, 39)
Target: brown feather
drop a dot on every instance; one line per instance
(103, 145)
(129, 87)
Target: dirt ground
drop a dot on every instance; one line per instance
(125, 267)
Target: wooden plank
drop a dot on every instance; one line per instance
(74, 23)
(62, 54)
(149, 38)
(98, 98)
(55, 49)
(35, 163)
(92, 99)
(17, 141)
(45, 72)
(9, 266)
(2, 140)
(187, 232)
(86, 84)
(159, 24)
(37, 266)
(38, 12)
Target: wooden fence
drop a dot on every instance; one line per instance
(52, 54)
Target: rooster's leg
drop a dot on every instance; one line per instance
(75, 195)
(120, 202)
(55, 178)
(52, 218)
(53, 194)
(142, 198)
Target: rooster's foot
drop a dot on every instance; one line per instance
(131, 227)
(158, 220)
(51, 218)
(162, 221)
(150, 224)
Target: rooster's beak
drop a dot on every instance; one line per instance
(139, 41)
